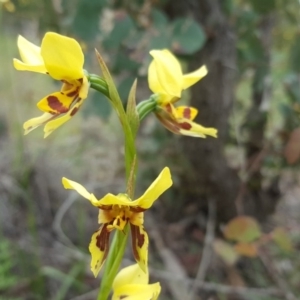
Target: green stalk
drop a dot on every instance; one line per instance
(145, 107)
(118, 245)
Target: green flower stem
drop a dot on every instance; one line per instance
(98, 84)
(119, 242)
(113, 262)
(145, 107)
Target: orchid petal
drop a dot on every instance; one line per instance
(63, 57)
(140, 242)
(52, 125)
(190, 128)
(186, 112)
(56, 103)
(193, 77)
(36, 122)
(130, 275)
(137, 292)
(31, 57)
(168, 72)
(159, 186)
(99, 248)
(81, 190)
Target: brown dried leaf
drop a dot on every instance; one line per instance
(292, 148)
(242, 229)
(246, 249)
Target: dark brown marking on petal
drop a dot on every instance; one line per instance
(118, 222)
(137, 209)
(102, 238)
(187, 113)
(62, 93)
(140, 238)
(74, 111)
(105, 207)
(123, 218)
(123, 297)
(73, 93)
(185, 125)
(47, 73)
(80, 80)
(55, 104)
(133, 241)
(168, 108)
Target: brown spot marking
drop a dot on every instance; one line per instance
(118, 222)
(185, 126)
(102, 238)
(133, 239)
(137, 209)
(123, 296)
(187, 113)
(74, 111)
(55, 104)
(123, 218)
(168, 108)
(80, 80)
(140, 238)
(106, 207)
(73, 93)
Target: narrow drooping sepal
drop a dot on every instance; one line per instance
(99, 247)
(140, 243)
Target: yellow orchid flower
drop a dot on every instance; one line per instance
(115, 211)
(62, 58)
(131, 283)
(167, 81)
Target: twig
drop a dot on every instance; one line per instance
(179, 290)
(178, 281)
(207, 249)
(274, 274)
(216, 287)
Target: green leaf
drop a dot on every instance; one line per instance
(295, 54)
(282, 239)
(187, 36)
(292, 87)
(124, 87)
(159, 19)
(227, 6)
(225, 251)
(86, 21)
(242, 229)
(123, 62)
(132, 115)
(160, 40)
(97, 104)
(120, 32)
(263, 6)
(250, 50)
(130, 150)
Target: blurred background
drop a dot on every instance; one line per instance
(231, 219)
